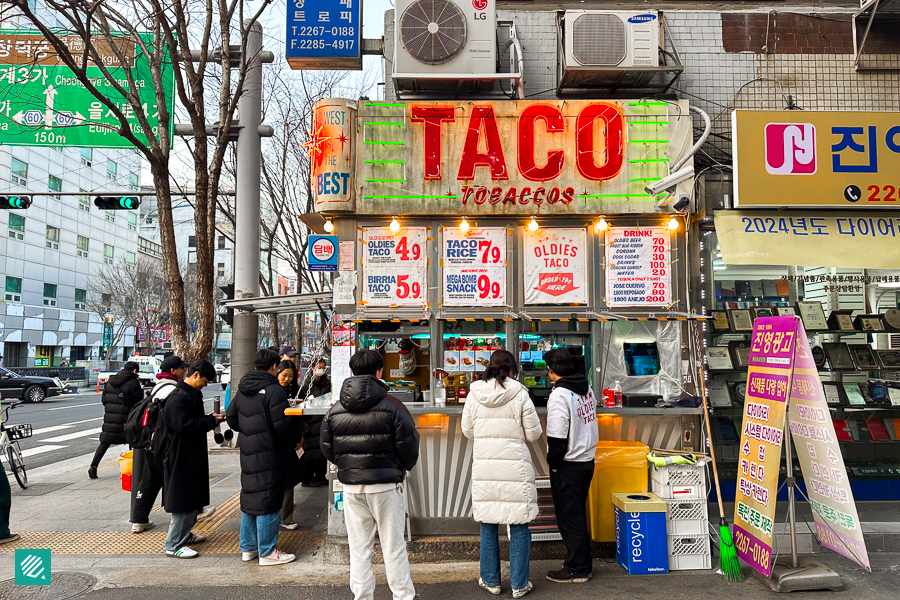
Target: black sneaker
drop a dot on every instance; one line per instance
(92, 472)
(564, 576)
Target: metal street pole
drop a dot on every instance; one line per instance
(245, 333)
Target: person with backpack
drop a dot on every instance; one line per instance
(572, 438)
(267, 436)
(120, 393)
(147, 475)
(179, 443)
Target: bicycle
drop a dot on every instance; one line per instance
(9, 445)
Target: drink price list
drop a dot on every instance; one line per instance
(638, 270)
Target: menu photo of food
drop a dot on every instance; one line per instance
(482, 360)
(467, 360)
(451, 360)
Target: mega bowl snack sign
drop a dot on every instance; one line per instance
(512, 157)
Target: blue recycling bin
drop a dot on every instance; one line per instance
(641, 543)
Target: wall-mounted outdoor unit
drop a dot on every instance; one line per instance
(610, 49)
(445, 45)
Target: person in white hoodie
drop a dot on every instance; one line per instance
(501, 419)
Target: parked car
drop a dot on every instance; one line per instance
(148, 369)
(30, 389)
(225, 377)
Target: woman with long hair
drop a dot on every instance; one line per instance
(501, 420)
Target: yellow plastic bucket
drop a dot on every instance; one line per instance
(619, 468)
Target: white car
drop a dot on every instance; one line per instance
(225, 376)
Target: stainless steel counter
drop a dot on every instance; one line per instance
(425, 408)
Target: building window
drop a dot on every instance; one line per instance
(148, 247)
(19, 171)
(135, 181)
(106, 301)
(53, 237)
(129, 257)
(80, 299)
(111, 169)
(55, 184)
(132, 221)
(49, 294)
(110, 216)
(221, 242)
(84, 202)
(13, 289)
(109, 253)
(87, 156)
(83, 244)
(16, 226)
(220, 270)
(192, 241)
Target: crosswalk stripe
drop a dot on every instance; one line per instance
(49, 429)
(75, 406)
(37, 450)
(85, 421)
(72, 436)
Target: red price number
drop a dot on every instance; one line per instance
(488, 288)
(658, 294)
(490, 254)
(408, 251)
(405, 290)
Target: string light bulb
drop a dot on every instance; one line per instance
(395, 225)
(464, 225)
(329, 226)
(601, 225)
(533, 224)
(673, 223)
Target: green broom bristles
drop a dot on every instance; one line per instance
(728, 558)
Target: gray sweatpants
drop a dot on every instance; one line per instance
(386, 513)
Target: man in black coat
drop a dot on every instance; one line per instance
(121, 392)
(256, 412)
(185, 457)
(372, 439)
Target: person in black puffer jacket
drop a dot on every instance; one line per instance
(372, 439)
(121, 392)
(256, 412)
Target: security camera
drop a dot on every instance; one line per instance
(670, 181)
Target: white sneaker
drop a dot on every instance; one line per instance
(142, 527)
(494, 589)
(183, 552)
(523, 592)
(288, 526)
(248, 556)
(196, 538)
(276, 558)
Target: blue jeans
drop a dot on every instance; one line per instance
(259, 533)
(180, 530)
(519, 555)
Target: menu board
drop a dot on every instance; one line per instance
(555, 266)
(638, 272)
(762, 435)
(819, 454)
(474, 267)
(394, 267)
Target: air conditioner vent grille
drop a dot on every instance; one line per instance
(598, 39)
(433, 31)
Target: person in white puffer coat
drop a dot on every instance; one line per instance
(500, 418)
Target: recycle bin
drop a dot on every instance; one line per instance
(619, 468)
(641, 543)
(125, 463)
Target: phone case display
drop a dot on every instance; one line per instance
(839, 358)
(813, 316)
(394, 266)
(638, 272)
(474, 267)
(555, 266)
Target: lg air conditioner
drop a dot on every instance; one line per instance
(600, 48)
(444, 45)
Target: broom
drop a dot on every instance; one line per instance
(728, 558)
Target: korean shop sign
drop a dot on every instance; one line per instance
(869, 240)
(816, 158)
(43, 104)
(515, 157)
(324, 34)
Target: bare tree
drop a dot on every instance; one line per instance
(164, 34)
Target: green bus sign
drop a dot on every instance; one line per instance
(43, 104)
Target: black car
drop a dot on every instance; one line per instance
(31, 389)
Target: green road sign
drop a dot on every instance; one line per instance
(43, 104)
(107, 334)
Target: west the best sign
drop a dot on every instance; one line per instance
(509, 157)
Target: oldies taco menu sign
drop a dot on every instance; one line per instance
(555, 267)
(394, 267)
(474, 267)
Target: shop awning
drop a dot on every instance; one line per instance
(282, 305)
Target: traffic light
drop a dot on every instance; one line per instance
(228, 314)
(117, 203)
(14, 202)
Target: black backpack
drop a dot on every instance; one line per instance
(142, 420)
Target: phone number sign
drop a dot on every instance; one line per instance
(324, 34)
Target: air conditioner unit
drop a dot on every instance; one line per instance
(596, 46)
(440, 43)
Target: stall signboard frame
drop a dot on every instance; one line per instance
(394, 267)
(474, 265)
(808, 159)
(324, 34)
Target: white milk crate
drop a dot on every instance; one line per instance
(676, 482)
(685, 516)
(689, 552)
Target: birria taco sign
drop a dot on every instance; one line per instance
(511, 157)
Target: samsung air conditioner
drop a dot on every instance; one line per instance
(600, 48)
(444, 45)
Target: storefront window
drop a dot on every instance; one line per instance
(406, 349)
